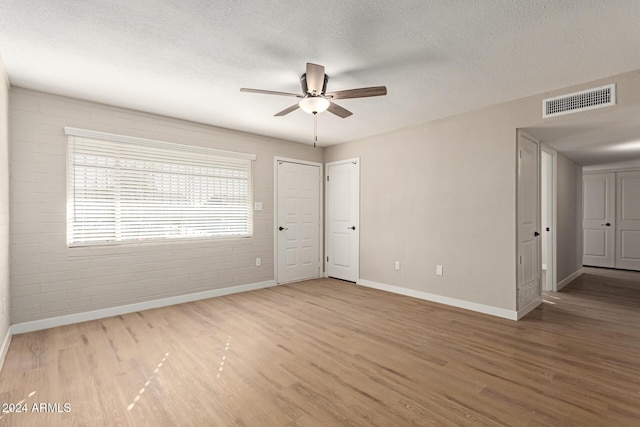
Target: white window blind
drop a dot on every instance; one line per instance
(123, 189)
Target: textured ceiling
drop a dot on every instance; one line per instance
(188, 59)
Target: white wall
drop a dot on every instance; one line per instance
(441, 193)
(444, 193)
(4, 212)
(569, 211)
(48, 279)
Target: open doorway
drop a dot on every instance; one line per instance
(548, 217)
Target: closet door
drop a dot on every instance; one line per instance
(628, 220)
(598, 219)
(343, 215)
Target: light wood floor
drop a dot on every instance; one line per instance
(325, 353)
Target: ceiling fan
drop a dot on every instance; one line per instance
(315, 98)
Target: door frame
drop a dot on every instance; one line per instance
(277, 159)
(552, 176)
(326, 228)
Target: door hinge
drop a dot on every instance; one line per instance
(520, 259)
(520, 153)
(327, 259)
(327, 178)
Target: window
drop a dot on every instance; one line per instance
(125, 189)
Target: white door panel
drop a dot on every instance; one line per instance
(595, 191)
(343, 227)
(598, 219)
(298, 221)
(595, 243)
(342, 249)
(528, 218)
(630, 245)
(628, 220)
(528, 267)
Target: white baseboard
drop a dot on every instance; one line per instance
(38, 325)
(5, 346)
(481, 308)
(569, 279)
(529, 307)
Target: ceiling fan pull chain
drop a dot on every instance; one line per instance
(315, 129)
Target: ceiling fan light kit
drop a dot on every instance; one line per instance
(314, 104)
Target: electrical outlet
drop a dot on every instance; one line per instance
(258, 262)
(397, 265)
(439, 271)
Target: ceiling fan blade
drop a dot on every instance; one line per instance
(315, 78)
(270, 92)
(339, 111)
(287, 110)
(362, 92)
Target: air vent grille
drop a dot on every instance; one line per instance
(603, 96)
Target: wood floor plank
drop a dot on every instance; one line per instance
(325, 352)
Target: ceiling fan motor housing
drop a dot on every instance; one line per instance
(305, 89)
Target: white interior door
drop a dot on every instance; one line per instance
(528, 219)
(298, 221)
(343, 228)
(628, 220)
(598, 219)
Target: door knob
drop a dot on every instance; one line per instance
(548, 229)
(536, 234)
(351, 228)
(282, 228)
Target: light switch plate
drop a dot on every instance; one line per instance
(257, 206)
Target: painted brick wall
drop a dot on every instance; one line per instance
(4, 205)
(48, 279)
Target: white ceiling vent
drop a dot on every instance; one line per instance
(589, 99)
